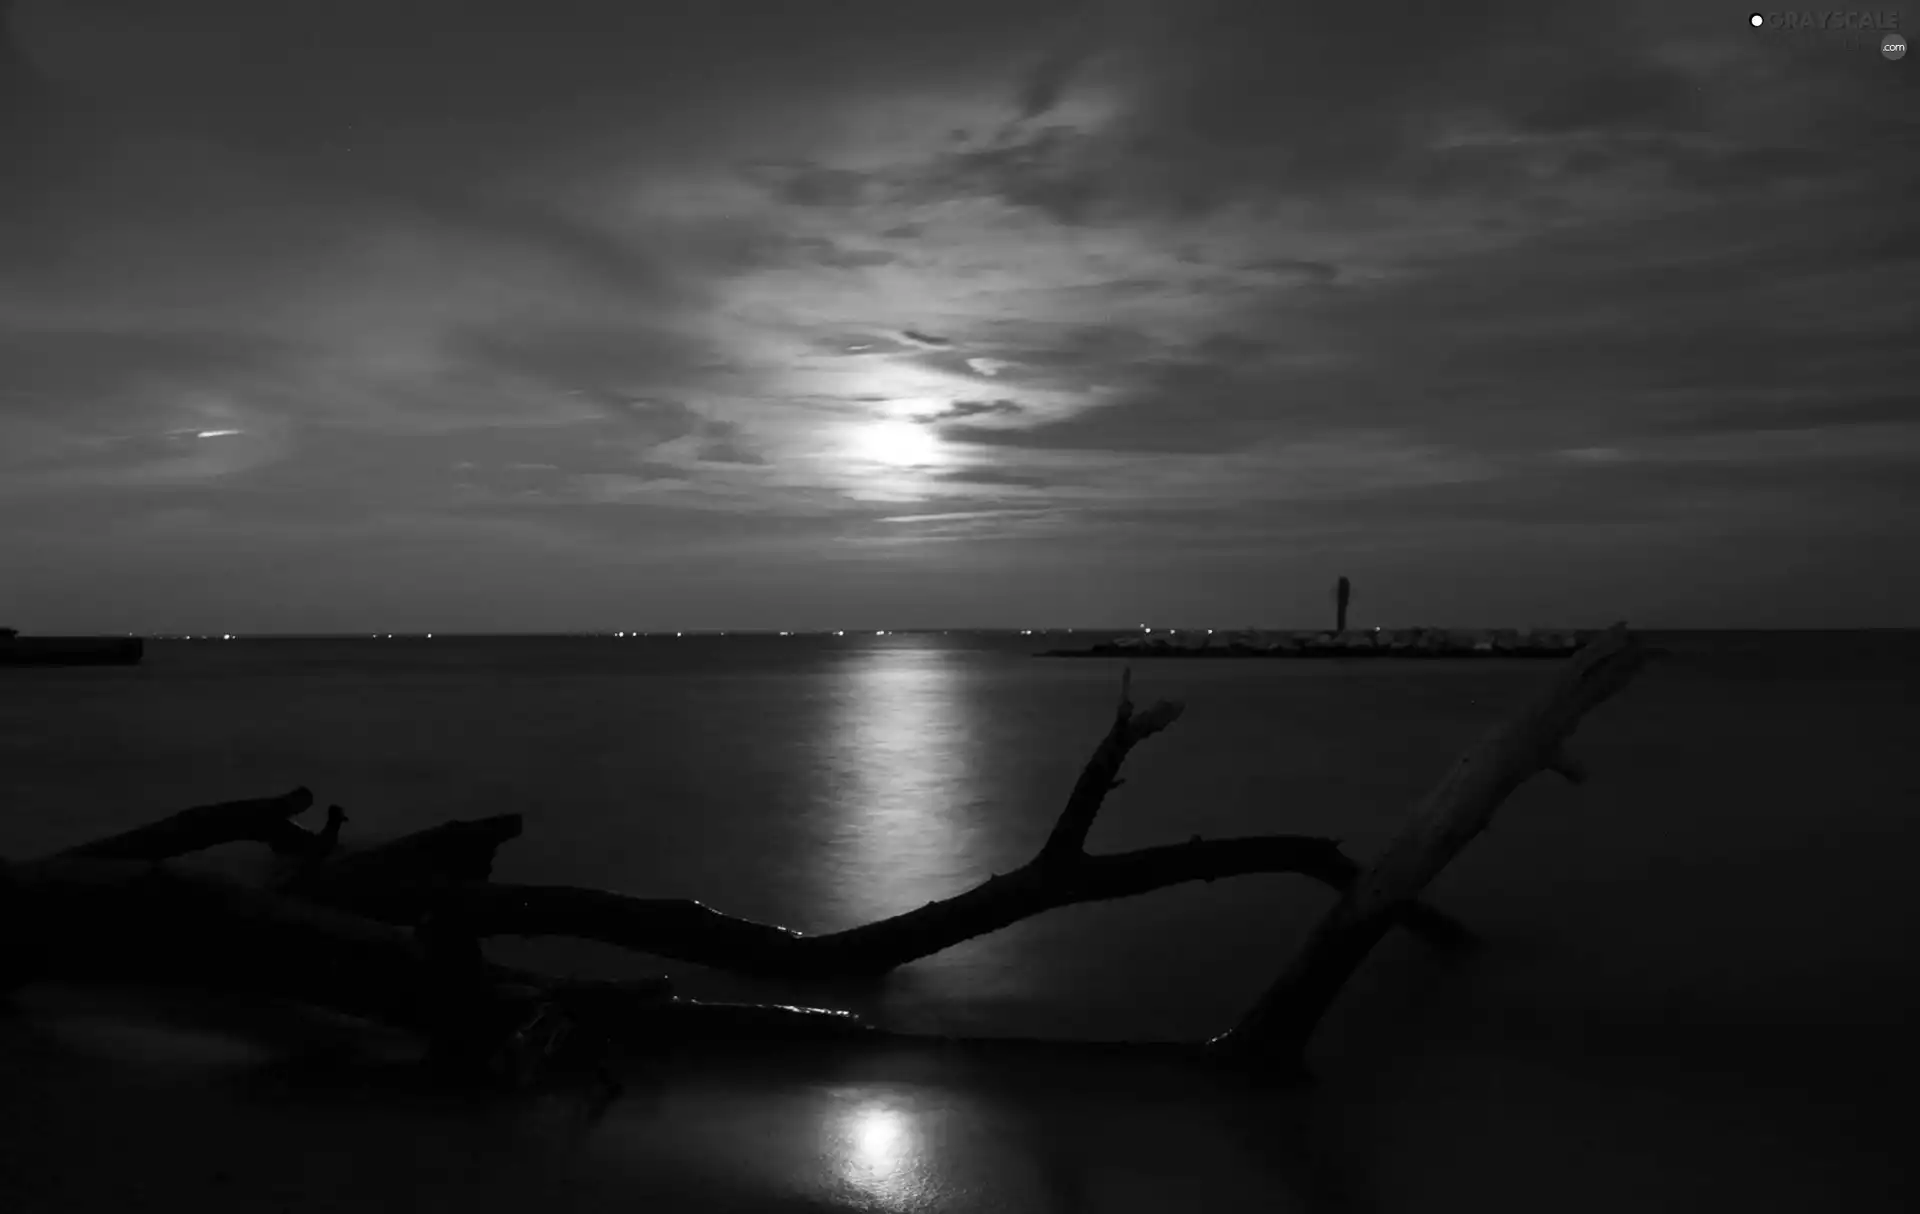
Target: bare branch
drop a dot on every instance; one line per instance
(1069, 838)
(690, 931)
(259, 820)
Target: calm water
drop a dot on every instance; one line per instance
(1699, 964)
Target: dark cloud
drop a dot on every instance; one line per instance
(1060, 350)
(1712, 493)
(958, 363)
(596, 357)
(74, 368)
(1814, 413)
(925, 339)
(960, 409)
(20, 85)
(994, 477)
(1257, 81)
(816, 185)
(724, 443)
(658, 421)
(1167, 406)
(1047, 81)
(838, 256)
(1055, 170)
(859, 344)
(593, 252)
(1299, 270)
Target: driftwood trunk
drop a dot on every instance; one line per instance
(391, 933)
(1459, 807)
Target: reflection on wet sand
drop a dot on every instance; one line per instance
(879, 1148)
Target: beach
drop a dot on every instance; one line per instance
(1695, 975)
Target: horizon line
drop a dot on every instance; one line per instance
(669, 634)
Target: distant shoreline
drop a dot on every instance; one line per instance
(1090, 635)
(1417, 643)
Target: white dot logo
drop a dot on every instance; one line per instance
(1757, 20)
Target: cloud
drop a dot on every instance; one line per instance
(1046, 83)
(656, 426)
(1064, 174)
(1792, 411)
(644, 272)
(723, 443)
(988, 476)
(840, 257)
(972, 408)
(816, 185)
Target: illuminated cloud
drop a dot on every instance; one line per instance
(667, 281)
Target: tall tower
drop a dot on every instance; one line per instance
(1342, 592)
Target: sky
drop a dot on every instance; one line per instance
(416, 315)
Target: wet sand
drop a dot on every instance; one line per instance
(128, 1101)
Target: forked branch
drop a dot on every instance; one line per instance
(329, 935)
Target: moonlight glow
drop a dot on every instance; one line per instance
(899, 444)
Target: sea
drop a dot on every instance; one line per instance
(1696, 988)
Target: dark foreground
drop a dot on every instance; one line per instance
(1695, 991)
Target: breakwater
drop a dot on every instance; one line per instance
(1365, 643)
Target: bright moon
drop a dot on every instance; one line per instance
(899, 443)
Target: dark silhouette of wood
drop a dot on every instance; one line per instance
(686, 930)
(1342, 594)
(1279, 1024)
(86, 919)
(390, 932)
(401, 880)
(259, 820)
(1067, 843)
